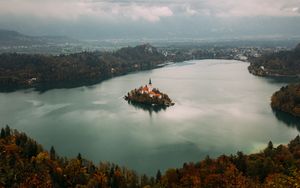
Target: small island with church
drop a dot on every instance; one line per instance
(147, 95)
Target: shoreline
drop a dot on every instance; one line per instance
(268, 73)
(42, 87)
(42, 72)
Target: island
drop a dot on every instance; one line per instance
(147, 95)
(287, 99)
(277, 64)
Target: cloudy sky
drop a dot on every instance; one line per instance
(98, 19)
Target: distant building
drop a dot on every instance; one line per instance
(31, 80)
(148, 96)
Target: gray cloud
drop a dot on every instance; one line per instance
(148, 10)
(155, 18)
(73, 9)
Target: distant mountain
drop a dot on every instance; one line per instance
(14, 38)
(297, 49)
(8, 33)
(279, 64)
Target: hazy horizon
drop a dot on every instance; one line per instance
(203, 19)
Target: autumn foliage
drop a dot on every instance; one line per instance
(287, 99)
(24, 163)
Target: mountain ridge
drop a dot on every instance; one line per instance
(15, 38)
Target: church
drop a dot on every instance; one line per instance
(148, 89)
(148, 95)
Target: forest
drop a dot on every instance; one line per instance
(25, 163)
(282, 63)
(287, 99)
(19, 71)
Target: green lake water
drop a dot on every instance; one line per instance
(219, 109)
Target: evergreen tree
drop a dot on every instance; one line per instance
(270, 145)
(158, 176)
(240, 162)
(2, 135)
(7, 131)
(111, 176)
(269, 150)
(79, 157)
(208, 160)
(294, 143)
(30, 149)
(52, 153)
(144, 180)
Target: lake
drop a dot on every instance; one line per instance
(219, 109)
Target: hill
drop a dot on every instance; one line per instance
(14, 38)
(287, 99)
(48, 71)
(279, 64)
(24, 163)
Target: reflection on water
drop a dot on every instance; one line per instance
(146, 107)
(282, 79)
(55, 85)
(287, 119)
(220, 109)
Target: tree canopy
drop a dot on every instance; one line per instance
(24, 163)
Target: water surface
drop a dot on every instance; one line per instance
(219, 109)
